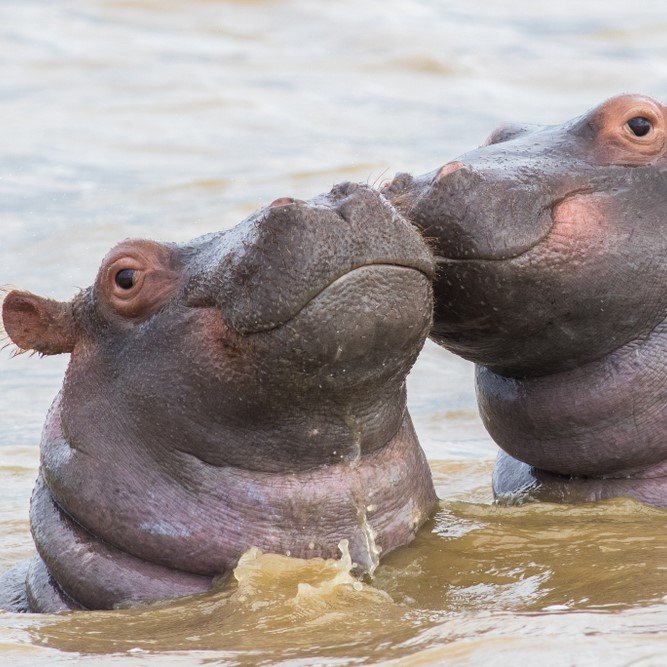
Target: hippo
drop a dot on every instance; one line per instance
(244, 389)
(551, 245)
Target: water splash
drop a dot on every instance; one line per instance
(368, 557)
(341, 577)
(368, 535)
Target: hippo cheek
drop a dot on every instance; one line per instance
(489, 310)
(569, 300)
(588, 260)
(580, 230)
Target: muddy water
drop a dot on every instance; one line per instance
(168, 119)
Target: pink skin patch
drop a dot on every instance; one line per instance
(580, 231)
(578, 214)
(283, 201)
(448, 169)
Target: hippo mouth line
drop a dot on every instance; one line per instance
(426, 271)
(443, 259)
(548, 208)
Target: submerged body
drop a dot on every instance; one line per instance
(244, 389)
(552, 278)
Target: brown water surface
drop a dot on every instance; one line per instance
(171, 118)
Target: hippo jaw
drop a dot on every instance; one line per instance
(244, 389)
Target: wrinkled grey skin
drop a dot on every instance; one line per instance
(551, 244)
(263, 404)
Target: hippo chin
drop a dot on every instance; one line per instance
(244, 389)
(552, 278)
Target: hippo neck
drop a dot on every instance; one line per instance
(292, 438)
(203, 521)
(607, 418)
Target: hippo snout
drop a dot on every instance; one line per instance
(294, 249)
(347, 188)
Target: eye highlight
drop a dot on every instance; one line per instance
(125, 279)
(639, 126)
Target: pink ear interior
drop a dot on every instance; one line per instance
(35, 323)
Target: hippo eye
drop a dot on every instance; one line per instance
(125, 279)
(640, 126)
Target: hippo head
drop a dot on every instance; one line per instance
(241, 389)
(550, 240)
(552, 252)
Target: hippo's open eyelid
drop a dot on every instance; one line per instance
(628, 130)
(643, 128)
(137, 279)
(125, 277)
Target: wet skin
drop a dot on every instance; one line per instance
(552, 253)
(244, 389)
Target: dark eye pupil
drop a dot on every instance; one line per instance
(125, 279)
(640, 126)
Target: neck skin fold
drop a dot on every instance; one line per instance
(605, 419)
(200, 524)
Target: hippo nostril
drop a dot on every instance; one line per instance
(282, 201)
(448, 169)
(401, 182)
(345, 189)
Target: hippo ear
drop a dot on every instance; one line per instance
(35, 323)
